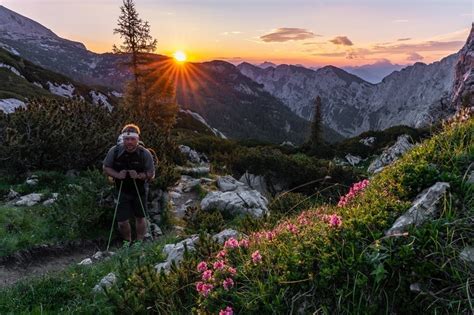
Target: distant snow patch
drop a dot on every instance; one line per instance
(12, 69)
(202, 120)
(116, 94)
(287, 126)
(8, 105)
(245, 89)
(38, 84)
(100, 99)
(65, 90)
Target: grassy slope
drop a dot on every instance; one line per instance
(351, 269)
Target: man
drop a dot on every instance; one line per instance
(126, 163)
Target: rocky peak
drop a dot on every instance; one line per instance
(463, 86)
(13, 25)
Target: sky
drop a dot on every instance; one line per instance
(312, 33)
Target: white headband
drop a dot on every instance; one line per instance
(130, 134)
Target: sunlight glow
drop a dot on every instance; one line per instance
(179, 56)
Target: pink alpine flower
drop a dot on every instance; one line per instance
(204, 288)
(231, 243)
(232, 271)
(219, 265)
(256, 257)
(227, 311)
(335, 221)
(202, 266)
(353, 191)
(207, 275)
(292, 228)
(244, 243)
(228, 283)
(221, 254)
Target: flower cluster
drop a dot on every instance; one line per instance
(353, 191)
(227, 311)
(333, 220)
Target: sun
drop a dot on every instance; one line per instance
(179, 56)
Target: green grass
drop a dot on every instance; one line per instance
(75, 215)
(70, 291)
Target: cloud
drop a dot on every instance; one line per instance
(400, 21)
(341, 40)
(285, 34)
(403, 39)
(332, 54)
(231, 33)
(423, 46)
(414, 57)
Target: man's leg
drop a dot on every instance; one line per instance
(125, 230)
(140, 224)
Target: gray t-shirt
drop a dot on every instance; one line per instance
(148, 158)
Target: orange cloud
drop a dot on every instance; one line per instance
(285, 34)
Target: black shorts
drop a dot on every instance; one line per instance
(129, 206)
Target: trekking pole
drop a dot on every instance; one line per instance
(143, 208)
(115, 213)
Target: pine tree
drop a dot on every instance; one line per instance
(316, 138)
(150, 97)
(136, 36)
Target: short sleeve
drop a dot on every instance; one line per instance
(109, 158)
(149, 165)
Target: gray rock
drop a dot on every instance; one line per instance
(51, 200)
(467, 254)
(86, 262)
(238, 202)
(175, 252)
(191, 184)
(32, 181)
(194, 171)
(29, 200)
(391, 154)
(105, 283)
(423, 208)
(190, 154)
(224, 235)
(155, 230)
(256, 182)
(174, 195)
(12, 195)
(415, 287)
(353, 159)
(228, 183)
(367, 141)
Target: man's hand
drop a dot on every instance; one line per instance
(122, 174)
(133, 174)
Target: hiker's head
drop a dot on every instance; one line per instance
(130, 136)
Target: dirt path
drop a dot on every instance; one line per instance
(40, 266)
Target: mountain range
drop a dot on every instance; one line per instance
(272, 103)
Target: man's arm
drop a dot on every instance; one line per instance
(111, 172)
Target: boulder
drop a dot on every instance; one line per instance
(194, 171)
(190, 154)
(467, 254)
(32, 180)
(391, 154)
(353, 159)
(86, 262)
(175, 252)
(423, 208)
(241, 201)
(12, 195)
(228, 183)
(29, 200)
(51, 200)
(256, 182)
(105, 283)
(369, 141)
